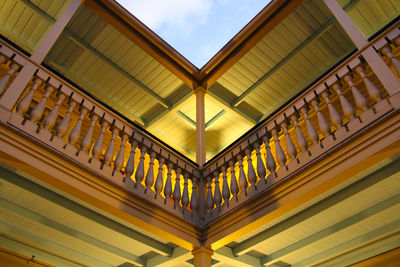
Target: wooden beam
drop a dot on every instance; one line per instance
(247, 38)
(179, 255)
(187, 118)
(81, 43)
(369, 237)
(98, 92)
(384, 259)
(51, 246)
(235, 110)
(216, 117)
(24, 183)
(21, 211)
(356, 218)
(225, 256)
(318, 207)
(147, 40)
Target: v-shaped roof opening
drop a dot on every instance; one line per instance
(197, 29)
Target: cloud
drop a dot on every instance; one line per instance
(168, 13)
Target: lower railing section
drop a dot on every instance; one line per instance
(339, 106)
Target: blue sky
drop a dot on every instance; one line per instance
(197, 29)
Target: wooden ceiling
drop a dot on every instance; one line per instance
(113, 56)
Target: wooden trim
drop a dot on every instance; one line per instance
(389, 259)
(246, 39)
(138, 33)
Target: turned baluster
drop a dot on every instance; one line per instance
(242, 176)
(3, 59)
(260, 164)
(225, 187)
(234, 184)
(323, 125)
(194, 204)
(63, 126)
(387, 52)
(149, 180)
(348, 110)
(139, 175)
(336, 120)
(97, 148)
(373, 91)
(251, 173)
(301, 140)
(290, 148)
(270, 161)
(359, 99)
(76, 131)
(51, 118)
(217, 191)
(25, 103)
(312, 133)
(119, 160)
(177, 188)
(87, 139)
(37, 112)
(158, 186)
(4, 81)
(108, 156)
(279, 154)
(185, 193)
(396, 41)
(130, 165)
(168, 183)
(209, 200)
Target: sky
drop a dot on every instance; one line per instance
(197, 29)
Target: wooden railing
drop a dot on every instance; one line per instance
(327, 115)
(59, 115)
(346, 101)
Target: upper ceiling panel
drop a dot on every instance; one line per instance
(26, 22)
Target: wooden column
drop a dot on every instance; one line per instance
(202, 256)
(200, 127)
(51, 37)
(382, 71)
(16, 88)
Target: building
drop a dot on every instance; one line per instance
(298, 117)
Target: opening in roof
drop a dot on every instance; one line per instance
(197, 29)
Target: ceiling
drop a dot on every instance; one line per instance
(115, 67)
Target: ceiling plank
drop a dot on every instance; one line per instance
(26, 184)
(20, 233)
(14, 208)
(225, 255)
(356, 218)
(25, 249)
(385, 231)
(93, 51)
(98, 93)
(179, 255)
(318, 207)
(229, 106)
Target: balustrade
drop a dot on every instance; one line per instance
(339, 105)
(319, 120)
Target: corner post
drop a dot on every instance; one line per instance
(202, 256)
(200, 126)
(19, 84)
(381, 70)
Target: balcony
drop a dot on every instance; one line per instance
(75, 143)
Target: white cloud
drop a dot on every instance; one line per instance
(168, 13)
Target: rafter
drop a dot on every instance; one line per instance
(69, 231)
(26, 184)
(356, 218)
(81, 43)
(304, 44)
(318, 207)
